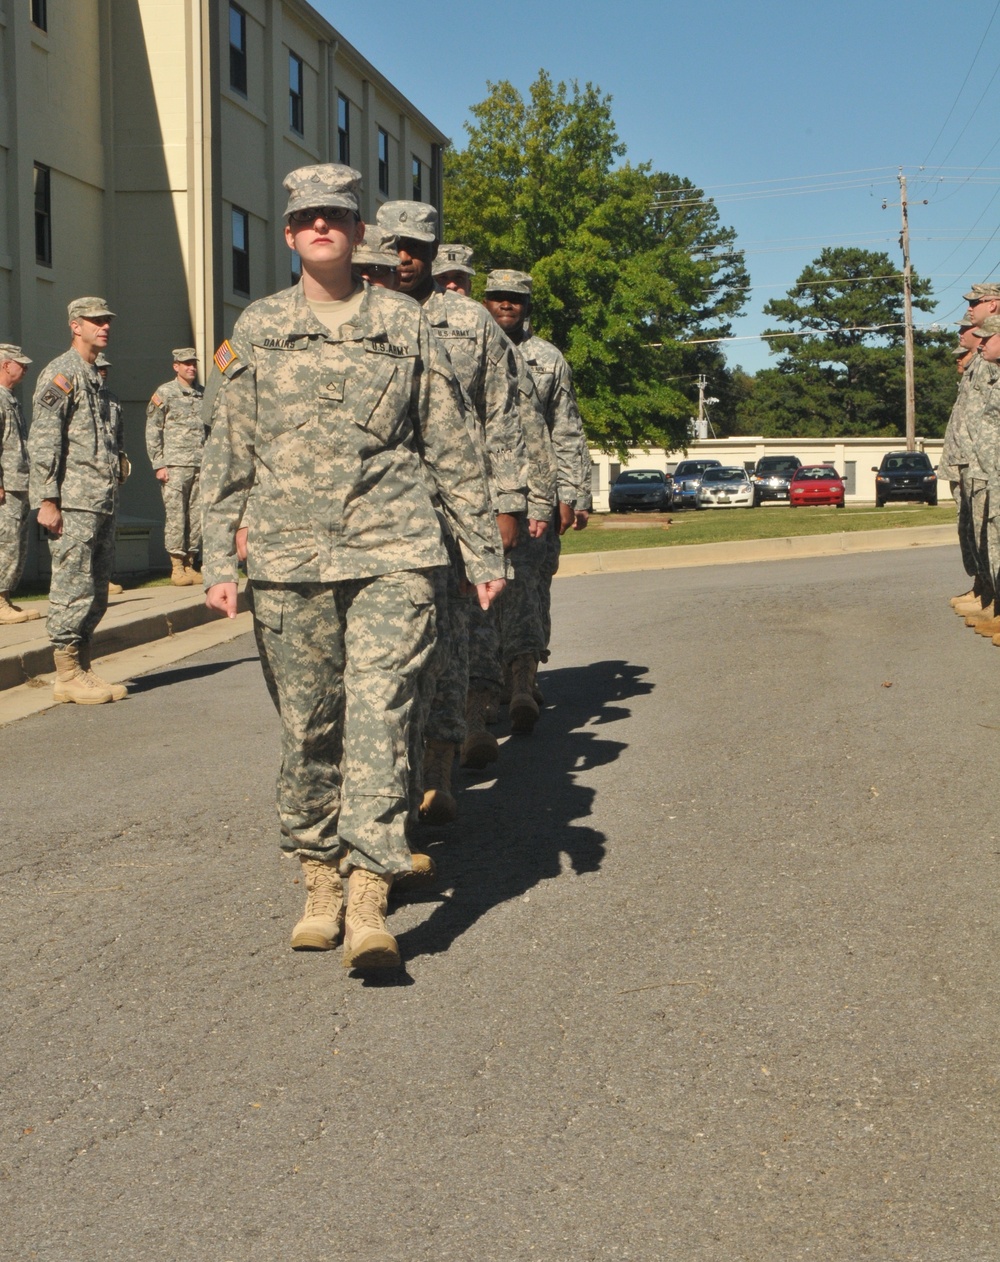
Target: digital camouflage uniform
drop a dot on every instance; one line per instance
(329, 449)
(982, 473)
(74, 449)
(14, 482)
(954, 465)
(175, 437)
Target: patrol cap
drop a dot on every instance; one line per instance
(89, 309)
(504, 280)
(416, 220)
(980, 293)
(325, 184)
(183, 353)
(989, 327)
(9, 351)
(453, 258)
(102, 360)
(377, 248)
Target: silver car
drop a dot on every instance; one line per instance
(729, 486)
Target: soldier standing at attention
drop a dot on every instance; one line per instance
(336, 420)
(452, 268)
(102, 364)
(13, 485)
(73, 482)
(175, 436)
(375, 259)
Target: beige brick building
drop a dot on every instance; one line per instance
(142, 148)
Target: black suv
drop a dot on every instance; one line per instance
(772, 475)
(905, 475)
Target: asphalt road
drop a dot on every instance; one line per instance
(711, 973)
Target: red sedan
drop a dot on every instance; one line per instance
(816, 484)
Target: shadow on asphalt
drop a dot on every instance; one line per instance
(513, 831)
(165, 678)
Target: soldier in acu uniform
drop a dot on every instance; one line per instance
(175, 436)
(76, 467)
(336, 419)
(375, 259)
(13, 485)
(452, 268)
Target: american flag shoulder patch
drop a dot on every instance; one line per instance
(225, 355)
(156, 401)
(64, 384)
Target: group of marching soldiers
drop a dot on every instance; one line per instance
(395, 464)
(970, 459)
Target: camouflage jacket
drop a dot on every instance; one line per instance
(483, 360)
(13, 444)
(981, 417)
(72, 442)
(175, 431)
(956, 446)
(537, 442)
(555, 389)
(329, 449)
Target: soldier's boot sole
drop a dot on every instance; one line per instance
(371, 948)
(957, 600)
(424, 872)
(11, 618)
(983, 615)
(996, 641)
(81, 696)
(315, 933)
(438, 807)
(523, 714)
(989, 629)
(479, 750)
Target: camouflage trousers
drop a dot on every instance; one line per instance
(519, 610)
(182, 510)
(553, 547)
(83, 558)
(13, 539)
(345, 659)
(978, 533)
(961, 493)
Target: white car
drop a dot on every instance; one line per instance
(729, 486)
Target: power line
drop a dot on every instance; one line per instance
(961, 89)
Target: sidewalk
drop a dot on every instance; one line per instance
(135, 617)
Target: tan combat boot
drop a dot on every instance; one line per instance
(10, 614)
(118, 691)
(523, 706)
(424, 870)
(115, 589)
(980, 615)
(178, 572)
(958, 600)
(480, 746)
(323, 919)
(189, 569)
(367, 942)
(438, 805)
(73, 684)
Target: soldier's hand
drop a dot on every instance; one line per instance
(222, 598)
(582, 517)
(488, 592)
(50, 517)
(537, 528)
(241, 542)
(162, 475)
(507, 525)
(566, 517)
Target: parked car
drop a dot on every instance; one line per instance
(640, 488)
(816, 484)
(728, 486)
(905, 475)
(772, 476)
(687, 479)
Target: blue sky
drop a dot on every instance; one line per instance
(755, 101)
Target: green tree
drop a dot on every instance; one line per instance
(628, 265)
(841, 369)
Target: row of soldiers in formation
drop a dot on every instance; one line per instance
(970, 459)
(394, 464)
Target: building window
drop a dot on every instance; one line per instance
(383, 162)
(241, 251)
(296, 110)
(40, 14)
(43, 215)
(237, 49)
(344, 128)
(418, 183)
(296, 267)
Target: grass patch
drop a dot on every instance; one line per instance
(606, 533)
(40, 591)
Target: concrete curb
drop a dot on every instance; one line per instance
(744, 550)
(18, 668)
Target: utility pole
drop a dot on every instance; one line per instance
(904, 241)
(702, 429)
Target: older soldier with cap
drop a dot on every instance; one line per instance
(337, 418)
(13, 485)
(175, 436)
(76, 468)
(375, 259)
(452, 268)
(525, 621)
